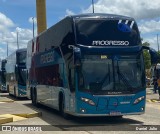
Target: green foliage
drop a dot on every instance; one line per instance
(147, 58)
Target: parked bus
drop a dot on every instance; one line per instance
(16, 73)
(155, 70)
(89, 65)
(3, 76)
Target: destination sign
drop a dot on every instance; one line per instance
(47, 57)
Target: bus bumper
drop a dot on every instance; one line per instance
(104, 115)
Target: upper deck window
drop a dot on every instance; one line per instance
(94, 32)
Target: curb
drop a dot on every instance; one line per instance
(149, 93)
(8, 101)
(4, 120)
(30, 115)
(16, 117)
(153, 100)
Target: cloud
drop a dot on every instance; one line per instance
(152, 40)
(5, 23)
(7, 35)
(149, 26)
(139, 9)
(30, 20)
(69, 12)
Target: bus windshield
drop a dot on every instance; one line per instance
(21, 57)
(88, 31)
(21, 76)
(103, 75)
(3, 77)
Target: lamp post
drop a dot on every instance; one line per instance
(7, 48)
(93, 5)
(17, 41)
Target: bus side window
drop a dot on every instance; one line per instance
(71, 80)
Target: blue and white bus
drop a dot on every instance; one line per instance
(16, 73)
(89, 65)
(3, 76)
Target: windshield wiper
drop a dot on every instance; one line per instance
(106, 76)
(123, 78)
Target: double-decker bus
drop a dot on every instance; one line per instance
(16, 73)
(89, 65)
(3, 76)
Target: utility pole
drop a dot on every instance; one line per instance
(7, 48)
(157, 43)
(93, 5)
(33, 26)
(17, 41)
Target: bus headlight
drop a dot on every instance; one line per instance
(139, 99)
(88, 101)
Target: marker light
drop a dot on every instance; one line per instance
(139, 99)
(88, 101)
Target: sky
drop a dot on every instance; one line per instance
(16, 17)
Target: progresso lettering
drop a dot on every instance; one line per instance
(47, 58)
(110, 43)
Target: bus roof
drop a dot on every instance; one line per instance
(91, 15)
(100, 15)
(17, 51)
(21, 50)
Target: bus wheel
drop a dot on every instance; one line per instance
(14, 91)
(7, 88)
(34, 98)
(118, 117)
(61, 108)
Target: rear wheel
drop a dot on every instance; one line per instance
(7, 88)
(34, 97)
(61, 107)
(15, 91)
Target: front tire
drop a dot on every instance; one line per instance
(61, 108)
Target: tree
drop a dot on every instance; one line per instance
(147, 58)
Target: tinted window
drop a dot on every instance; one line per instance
(49, 75)
(21, 57)
(109, 31)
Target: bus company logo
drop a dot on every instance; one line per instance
(47, 57)
(124, 27)
(110, 43)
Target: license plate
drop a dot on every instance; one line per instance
(115, 113)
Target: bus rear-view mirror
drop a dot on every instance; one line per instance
(154, 56)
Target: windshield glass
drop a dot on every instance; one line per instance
(21, 76)
(96, 73)
(21, 57)
(103, 74)
(129, 72)
(100, 32)
(3, 65)
(3, 77)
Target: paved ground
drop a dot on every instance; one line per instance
(151, 96)
(85, 125)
